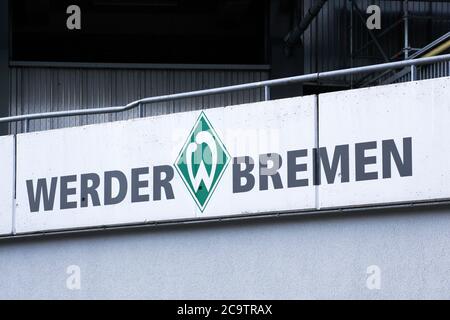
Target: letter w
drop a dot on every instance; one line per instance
(41, 192)
(202, 173)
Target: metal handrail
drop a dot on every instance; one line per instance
(261, 84)
(421, 52)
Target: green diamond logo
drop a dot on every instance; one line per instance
(202, 161)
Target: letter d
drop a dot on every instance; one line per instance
(123, 186)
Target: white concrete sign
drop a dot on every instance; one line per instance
(7, 185)
(399, 137)
(363, 147)
(227, 161)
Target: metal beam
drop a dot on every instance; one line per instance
(382, 34)
(406, 48)
(294, 36)
(438, 43)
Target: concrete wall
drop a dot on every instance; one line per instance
(285, 258)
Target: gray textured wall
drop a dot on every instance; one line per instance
(283, 258)
(44, 89)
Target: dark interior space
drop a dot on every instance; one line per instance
(142, 31)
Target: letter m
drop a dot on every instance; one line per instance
(42, 192)
(341, 155)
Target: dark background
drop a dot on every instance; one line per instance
(142, 31)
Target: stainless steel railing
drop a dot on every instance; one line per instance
(142, 103)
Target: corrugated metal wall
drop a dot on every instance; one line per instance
(327, 42)
(326, 47)
(36, 90)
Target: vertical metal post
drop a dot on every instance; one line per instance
(26, 125)
(141, 110)
(413, 73)
(406, 29)
(351, 42)
(266, 93)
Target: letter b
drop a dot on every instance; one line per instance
(239, 174)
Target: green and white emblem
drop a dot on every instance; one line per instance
(202, 161)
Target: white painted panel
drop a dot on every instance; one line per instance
(420, 110)
(278, 126)
(247, 130)
(7, 185)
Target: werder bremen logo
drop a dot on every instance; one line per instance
(202, 161)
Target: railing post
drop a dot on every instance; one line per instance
(26, 125)
(266, 93)
(413, 73)
(141, 110)
(406, 28)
